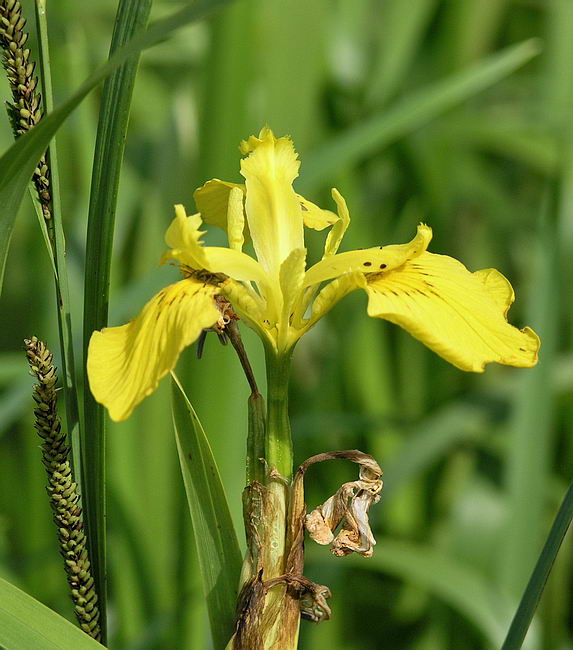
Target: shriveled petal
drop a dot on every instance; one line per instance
(315, 217)
(369, 260)
(126, 363)
(459, 315)
(212, 200)
(274, 212)
(184, 239)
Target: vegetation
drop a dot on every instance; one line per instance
(456, 114)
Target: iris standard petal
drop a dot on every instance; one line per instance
(274, 212)
(459, 315)
(126, 363)
(368, 260)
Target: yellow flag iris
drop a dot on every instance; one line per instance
(458, 314)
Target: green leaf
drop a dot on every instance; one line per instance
(26, 623)
(215, 537)
(114, 112)
(18, 163)
(411, 113)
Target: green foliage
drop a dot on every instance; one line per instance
(423, 110)
(215, 537)
(26, 623)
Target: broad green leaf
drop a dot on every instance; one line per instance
(26, 623)
(215, 537)
(411, 113)
(18, 163)
(532, 594)
(111, 136)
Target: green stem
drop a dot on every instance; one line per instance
(278, 445)
(279, 606)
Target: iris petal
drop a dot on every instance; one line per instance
(212, 200)
(126, 363)
(368, 260)
(274, 212)
(459, 315)
(184, 238)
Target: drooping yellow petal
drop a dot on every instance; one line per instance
(126, 363)
(274, 212)
(369, 260)
(458, 314)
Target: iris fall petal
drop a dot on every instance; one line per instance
(126, 363)
(459, 315)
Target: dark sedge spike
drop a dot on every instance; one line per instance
(63, 490)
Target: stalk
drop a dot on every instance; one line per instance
(268, 613)
(281, 613)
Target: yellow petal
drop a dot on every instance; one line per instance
(458, 314)
(236, 219)
(184, 238)
(274, 212)
(291, 277)
(315, 217)
(212, 200)
(126, 363)
(337, 233)
(369, 260)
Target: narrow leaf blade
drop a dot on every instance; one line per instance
(215, 537)
(131, 18)
(532, 594)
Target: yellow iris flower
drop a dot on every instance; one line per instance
(459, 315)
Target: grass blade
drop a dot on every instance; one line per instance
(215, 537)
(411, 113)
(26, 623)
(57, 247)
(19, 161)
(536, 584)
(131, 17)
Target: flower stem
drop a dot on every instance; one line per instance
(269, 615)
(279, 606)
(278, 445)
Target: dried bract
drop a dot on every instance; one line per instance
(348, 508)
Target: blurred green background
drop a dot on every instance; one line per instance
(383, 99)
